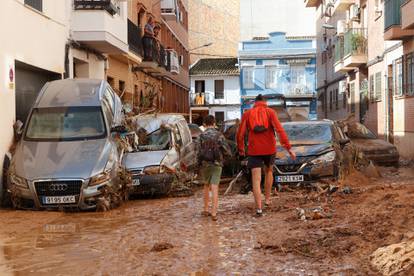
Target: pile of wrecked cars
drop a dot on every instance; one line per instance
(76, 151)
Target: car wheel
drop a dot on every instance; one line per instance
(5, 197)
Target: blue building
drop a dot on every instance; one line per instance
(283, 66)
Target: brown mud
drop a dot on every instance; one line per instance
(170, 237)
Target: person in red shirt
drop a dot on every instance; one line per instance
(260, 123)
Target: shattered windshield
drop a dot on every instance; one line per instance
(308, 134)
(359, 131)
(66, 124)
(157, 140)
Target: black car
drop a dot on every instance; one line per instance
(319, 146)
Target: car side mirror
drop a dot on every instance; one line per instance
(119, 129)
(343, 142)
(18, 130)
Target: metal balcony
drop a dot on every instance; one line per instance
(169, 8)
(312, 3)
(107, 5)
(154, 57)
(355, 47)
(393, 24)
(407, 15)
(339, 56)
(342, 5)
(134, 39)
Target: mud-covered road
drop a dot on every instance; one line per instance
(170, 237)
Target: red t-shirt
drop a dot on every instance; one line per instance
(263, 143)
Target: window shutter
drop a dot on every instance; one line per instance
(219, 89)
(378, 86)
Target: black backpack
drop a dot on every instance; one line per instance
(210, 148)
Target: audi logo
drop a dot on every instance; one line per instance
(58, 187)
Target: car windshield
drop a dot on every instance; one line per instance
(308, 134)
(157, 140)
(359, 131)
(65, 124)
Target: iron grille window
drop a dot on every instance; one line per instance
(408, 74)
(35, 4)
(371, 88)
(219, 89)
(378, 86)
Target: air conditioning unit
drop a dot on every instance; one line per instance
(341, 27)
(355, 13)
(173, 61)
(169, 8)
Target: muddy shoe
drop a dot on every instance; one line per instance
(205, 214)
(259, 213)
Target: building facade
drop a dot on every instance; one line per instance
(222, 33)
(365, 51)
(260, 17)
(215, 89)
(280, 65)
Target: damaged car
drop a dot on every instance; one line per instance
(65, 156)
(320, 148)
(165, 158)
(377, 150)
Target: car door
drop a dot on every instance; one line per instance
(187, 150)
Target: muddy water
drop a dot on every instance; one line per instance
(120, 242)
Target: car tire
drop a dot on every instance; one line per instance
(5, 197)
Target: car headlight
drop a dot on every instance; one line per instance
(18, 181)
(150, 170)
(326, 158)
(100, 178)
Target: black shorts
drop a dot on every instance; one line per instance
(257, 161)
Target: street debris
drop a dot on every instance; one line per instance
(158, 247)
(312, 213)
(395, 258)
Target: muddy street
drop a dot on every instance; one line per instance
(170, 237)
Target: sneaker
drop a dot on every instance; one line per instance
(259, 213)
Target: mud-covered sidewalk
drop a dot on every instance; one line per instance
(170, 237)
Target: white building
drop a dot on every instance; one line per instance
(215, 89)
(258, 18)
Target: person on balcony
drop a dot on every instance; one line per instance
(148, 39)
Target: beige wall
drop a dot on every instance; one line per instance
(217, 22)
(31, 37)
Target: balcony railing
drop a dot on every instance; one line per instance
(199, 99)
(339, 49)
(154, 52)
(355, 42)
(134, 38)
(392, 13)
(110, 6)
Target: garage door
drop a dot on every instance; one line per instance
(29, 81)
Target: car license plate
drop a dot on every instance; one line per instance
(289, 178)
(59, 199)
(135, 182)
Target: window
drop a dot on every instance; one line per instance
(371, 88)
(200, 86)
(121, 86)
(352, 92)
(398, 78)
(337, 99)
(378, 86)
(271, 76)
(219, 89)
(408, 78)
(219, 117)
(111, 81)
(330, 100)
(298, 79)
(35, 4)
(248, 82)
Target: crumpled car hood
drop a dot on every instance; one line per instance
(367, 145)
(303, 153)
(142, 159)
(70, 159)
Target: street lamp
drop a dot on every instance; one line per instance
(202, 46)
